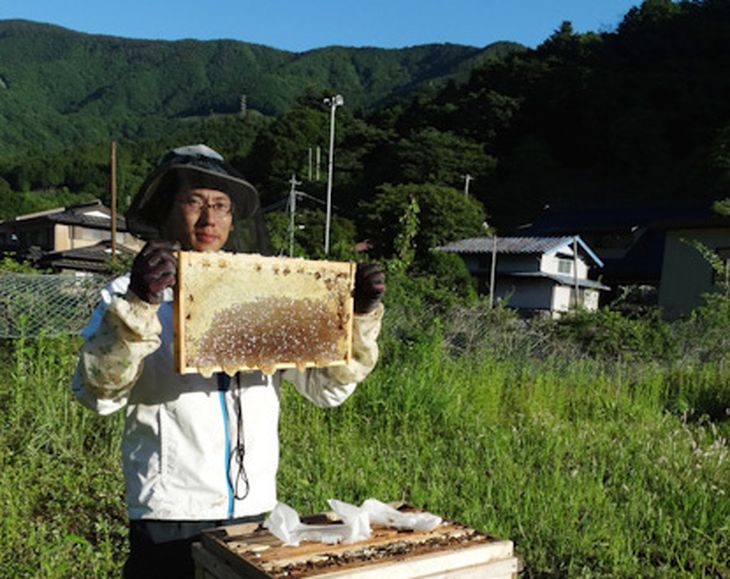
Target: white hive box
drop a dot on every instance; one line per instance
(451, 550)
(248, 312)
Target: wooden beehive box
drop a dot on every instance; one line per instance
(450, 550)
(248, 312)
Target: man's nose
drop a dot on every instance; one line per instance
(205, 213)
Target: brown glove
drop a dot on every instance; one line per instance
(154, 269)
(369, 287)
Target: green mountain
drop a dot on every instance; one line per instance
(59, 87)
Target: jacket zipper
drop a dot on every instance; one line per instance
(223, 383)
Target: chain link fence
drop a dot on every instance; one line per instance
(32, 305)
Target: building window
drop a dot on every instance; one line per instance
(88, 234)
(565, 265)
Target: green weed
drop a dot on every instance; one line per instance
(594, 465)
(60, 480)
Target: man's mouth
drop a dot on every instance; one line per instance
(204, 237)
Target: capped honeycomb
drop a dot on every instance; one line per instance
(248, 312)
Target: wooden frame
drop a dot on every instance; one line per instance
(248, 312)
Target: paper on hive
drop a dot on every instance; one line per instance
(450, 549)
(247, 312)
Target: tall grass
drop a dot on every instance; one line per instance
(61, 493)
(593, 466)
(586, 464)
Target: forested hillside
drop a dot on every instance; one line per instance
(641, 112)
(59, 87)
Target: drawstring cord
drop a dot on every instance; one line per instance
(239, 451)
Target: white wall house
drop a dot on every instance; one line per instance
(533, 274)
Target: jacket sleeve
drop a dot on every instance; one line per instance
(331, 386)
(123, 331)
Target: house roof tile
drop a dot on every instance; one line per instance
(517, 245)
(505, 244)
(73, 215)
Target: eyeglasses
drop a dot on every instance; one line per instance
(195, 206)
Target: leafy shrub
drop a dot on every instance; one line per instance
(448, 273)
(9, 263)
(607, 333)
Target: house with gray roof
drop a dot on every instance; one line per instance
(537, 275)
(77, 235)
(649, 245)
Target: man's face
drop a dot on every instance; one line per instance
(200, 220)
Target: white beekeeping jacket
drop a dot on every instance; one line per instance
(181, 431)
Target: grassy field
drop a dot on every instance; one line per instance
(592, 466)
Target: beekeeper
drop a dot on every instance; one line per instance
(196, 452)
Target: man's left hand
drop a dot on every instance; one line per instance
(369, 287)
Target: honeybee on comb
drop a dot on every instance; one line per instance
(248, 312)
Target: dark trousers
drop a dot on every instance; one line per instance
(162, 549)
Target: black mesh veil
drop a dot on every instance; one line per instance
(191, 167)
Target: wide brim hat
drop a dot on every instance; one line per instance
(184, 168)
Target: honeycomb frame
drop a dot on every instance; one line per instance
(244, 312)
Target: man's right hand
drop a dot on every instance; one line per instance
(154, 269)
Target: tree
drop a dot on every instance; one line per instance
(281, 148)
(444, 214)
(309, 235)
(439, 157)
(650, 14)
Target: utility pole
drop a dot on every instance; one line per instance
(493, 271)
(113, 185)
(319, 160)
(467, 179)
(309, 177)
(243, 106)
(292, 210)
(333, 102)
(575, 270)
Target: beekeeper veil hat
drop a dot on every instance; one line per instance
(191, 167)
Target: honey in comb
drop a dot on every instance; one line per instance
(262, 333)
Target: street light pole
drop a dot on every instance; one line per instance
(333, 102)
(113, 184)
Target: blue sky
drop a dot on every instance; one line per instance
(300, 25)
